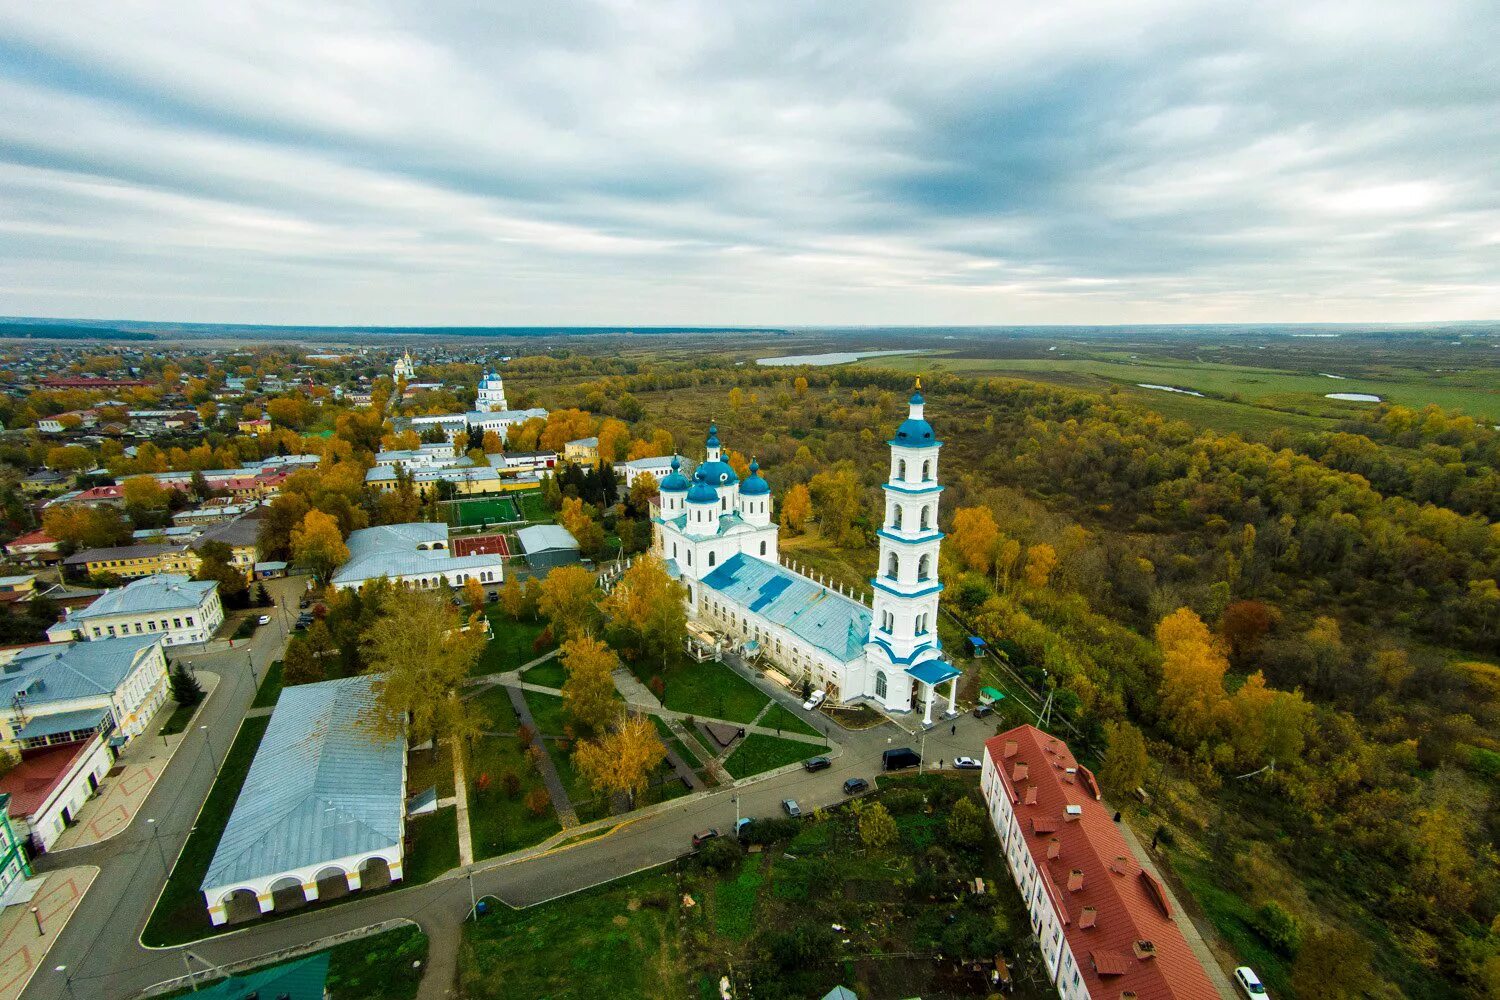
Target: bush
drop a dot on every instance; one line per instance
(771, 830)
(721, 855)
(1279, 929)
(966, 824)
(903, 800)
(537, 800)
(800, 946)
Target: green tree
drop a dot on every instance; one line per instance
(649, 606)
(185, 687)
(965, 824)
(877, 828)
(1123, 768)
(589, 691)
(568, 599)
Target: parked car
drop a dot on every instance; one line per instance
(1249, 983)
(263, 620)
(815, 700)
(817, 763)
(703, 836)
(853, 786)
(899, 758)
(966, 763)
(742, 828)
(982, 711)
(791, 808)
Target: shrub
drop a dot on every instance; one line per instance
(537, 800)
(511, 783)
(965, 824)
(1279, 929)
(902, 800)
(771, 830)
(721, 855)
(800, 946)
(876, 827)
(543, 641)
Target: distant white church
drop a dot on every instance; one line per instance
(719, 536)
(404, 368)
(491, 412)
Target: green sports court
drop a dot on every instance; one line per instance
(466, 513)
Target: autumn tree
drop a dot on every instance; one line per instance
(492, 443)
(144, 493)
(318, 545)
(799, 385)
(643, 491)
(77, 526)
(1245, 625)
(564, 426)
(1123, 768)
(649, 606)
(836, 498)
(216, 563)
(589, 691)
(512, 599)
(474, 594)
(877, 827)
(621, 760)
(575, 517)
(1267, 725)
(614, 439)
(421, 654)
(974, 535)
(1333, 965)
(796, 508)
(1007, 554)
(1192, 677)
(70, 458)
(1041, 559)
(568, 599)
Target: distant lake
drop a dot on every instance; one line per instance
(819, 360)
(1352, 397)
(1169, 388)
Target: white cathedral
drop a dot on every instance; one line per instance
(718, 535)
(491, 412)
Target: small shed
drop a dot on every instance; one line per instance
(547, 546)
(989, 695)
(976, 645)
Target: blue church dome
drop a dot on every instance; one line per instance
(754, 485)
(674, 481)
(701, 491)
(914, 432)
(713, 436)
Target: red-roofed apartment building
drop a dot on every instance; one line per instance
(1103, 922)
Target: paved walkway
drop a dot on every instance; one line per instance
(22, 949)
(636, 694)
(461, 802)
(710, 760)
(560, 800)
(130, 781)
(509, 677)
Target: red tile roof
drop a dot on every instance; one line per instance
(37, 537)
(1129, 906)
(33, 780)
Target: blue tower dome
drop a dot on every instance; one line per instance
(713, 436)
(754, 485)
(702, 491)
(674, 481)
(914, 431)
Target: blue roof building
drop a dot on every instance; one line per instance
(322, 808)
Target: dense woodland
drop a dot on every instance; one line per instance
(1289, 642)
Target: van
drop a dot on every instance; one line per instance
(900, 758)
(983, 711)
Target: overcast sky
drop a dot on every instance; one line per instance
(760, 163)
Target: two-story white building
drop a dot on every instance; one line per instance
(170, 606)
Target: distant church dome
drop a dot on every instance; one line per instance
(754, 485)
(674, 481)
(702, 491)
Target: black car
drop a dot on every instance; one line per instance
(854, 786)
(980, 711)
(817, 763)
(900, 758)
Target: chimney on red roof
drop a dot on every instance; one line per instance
(1075, 880)
(1144, 949)
(1020, 771)
(1010, 748)
(1072, 812)
(1088, 918)
(1054, 848)
(1118, 864)
(1031, 795)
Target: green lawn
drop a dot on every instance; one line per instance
(181, 914)
(766, 753)
(494, 704)
(513, 643)
(534, 509)
(711, 691)
(500, 823)
(378, 967)
(780, 718)
(431, 845)
(670, 739)
(178, 720)
(487, 510)
(270, 687)
(550, 674)
(547, 710)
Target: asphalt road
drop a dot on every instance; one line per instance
(101, 949)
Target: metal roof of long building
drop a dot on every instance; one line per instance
(401, 550)
(148, 595)
(62, 671)
(825, 618)
(323, 786)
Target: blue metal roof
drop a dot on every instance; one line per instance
(150, 594)
(322, 786)
(755, 485)
(675, 481)
(933, 671)
(62, 722)
(301, 979)
(62, 671)
(702, 492)
(822, 617)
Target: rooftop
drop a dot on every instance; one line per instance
(1117, 918)
(810, 611)
(399, 550)
(322, 786)
(60, 671)
(149, 594)
(545, 537)
(122, 552)
(31, 782)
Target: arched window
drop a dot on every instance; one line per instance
(893, 568)
(880, 684)
(724, 503)
(924, 567)
(926, 471)
(762, 548)
(896, 517)
(901, 469)
(926, 511)
(711, 558)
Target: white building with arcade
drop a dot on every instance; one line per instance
(720, 537)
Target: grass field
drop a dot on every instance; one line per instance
(707, 690)
(766, 753)
(270, 687)
(499, 823)
(532, 507)
(178, 720)
(181, 915)
(512, 643)
(466, 513)
(549, 674)
(780, 718)
(1472, 392)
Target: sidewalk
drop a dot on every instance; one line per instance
(129, 782)
(22, 949)
(548, 770)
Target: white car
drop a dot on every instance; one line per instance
(966, 763)
(1250, 984)
(263, 620)
(815, 700)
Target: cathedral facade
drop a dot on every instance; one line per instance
(719, 536)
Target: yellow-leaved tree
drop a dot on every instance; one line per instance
(974, 535)
(622, 759)
(649, 606)
(796, 508)
(589, 692)
(318, 544)
(568, 599)
(1192, 678)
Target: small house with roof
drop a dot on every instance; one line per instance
(659, 468)
(322, 811)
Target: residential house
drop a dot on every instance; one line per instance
(131, 561)
(170, 606)
(583, 451)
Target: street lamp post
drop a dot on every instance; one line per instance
(157, 841)
(36, 915)
(212, 756)
(473, 903)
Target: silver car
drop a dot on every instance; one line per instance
(791, 808)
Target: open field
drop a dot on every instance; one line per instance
(759, 753)
(483, 510)
(1471, 391)
(511, 644)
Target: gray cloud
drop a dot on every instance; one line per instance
(436, 162)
